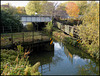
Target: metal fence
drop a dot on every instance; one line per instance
(9, 37)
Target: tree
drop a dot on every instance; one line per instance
(81, 5)
(11, 9)
(89, 30)
(10, 22)
(21, 10)
(33, 7)
(72, 9)
(47, 9)
(60, 11)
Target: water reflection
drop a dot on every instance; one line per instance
(64, 61)
(88, 69)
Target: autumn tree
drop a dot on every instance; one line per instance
(72, 9)
(88, 31)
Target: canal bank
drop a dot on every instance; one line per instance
(67, 39)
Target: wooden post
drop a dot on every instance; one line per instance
(23, 36)
(3, 29)
(11, 29)
(12, 38)
(41, 36)
(18, 28)
(33, 36)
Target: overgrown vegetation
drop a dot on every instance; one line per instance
(30, 26)
(49, 28)
(16, 63)
(88, 31)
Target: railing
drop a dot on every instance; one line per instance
(11, 38)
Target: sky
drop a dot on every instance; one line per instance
(22, 3)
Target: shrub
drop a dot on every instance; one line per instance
(88, 31)
(16, 63)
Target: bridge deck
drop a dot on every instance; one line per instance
(26, 18)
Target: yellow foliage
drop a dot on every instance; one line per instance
(71, 34)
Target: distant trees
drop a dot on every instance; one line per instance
(11, 9)
(14, 10)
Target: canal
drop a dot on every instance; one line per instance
(65, 60)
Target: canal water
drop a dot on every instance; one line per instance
(65, 60)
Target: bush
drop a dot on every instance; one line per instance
(89, 30)
(16, 63)
(8, 21)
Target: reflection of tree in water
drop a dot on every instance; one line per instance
(78, 52)
(88, 69)
(44, 58)
(57, 55)
(68, 54)
(56, 59)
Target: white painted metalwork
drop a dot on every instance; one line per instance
(35, 19)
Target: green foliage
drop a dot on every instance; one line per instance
(72, 41)
(71, 34)
(12, 10)
(89, 30)
(14, 63)
(21, 11)
(29, 26)
(33, 7)
(49, 27)
(8, 21)
(20, 48)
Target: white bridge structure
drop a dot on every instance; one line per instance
(27, 18)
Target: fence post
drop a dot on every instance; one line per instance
(11, 29)
(12, 38)
(41, 36)
(23, 36)
(33, 36)
(3, 29)
(18, 28)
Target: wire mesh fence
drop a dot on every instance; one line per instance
(8, 37)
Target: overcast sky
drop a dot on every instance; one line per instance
(22, 3)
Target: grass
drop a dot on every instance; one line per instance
(18, 37)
